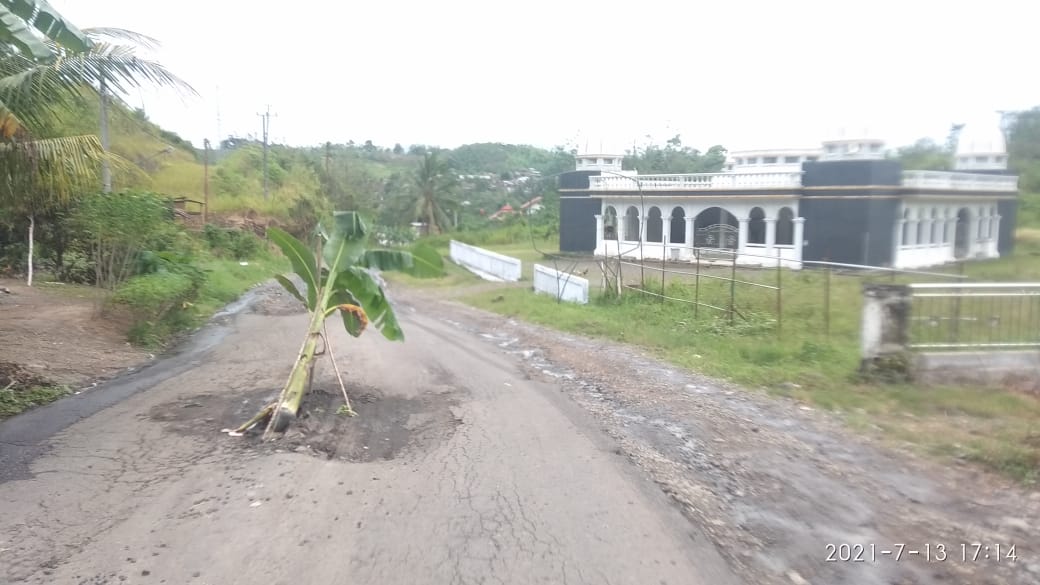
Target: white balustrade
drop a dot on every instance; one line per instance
(697, 181)
(959, 181)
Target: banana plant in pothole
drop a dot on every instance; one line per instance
(339, 278)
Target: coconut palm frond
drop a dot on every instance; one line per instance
(100, 34)
(32, 90)
(53, 170)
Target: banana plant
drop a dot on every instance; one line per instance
(339, 279)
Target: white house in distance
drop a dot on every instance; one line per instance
(842, 202)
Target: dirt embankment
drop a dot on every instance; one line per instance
(52, 331)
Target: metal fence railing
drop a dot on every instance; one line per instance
(716, 283)
(974, 315)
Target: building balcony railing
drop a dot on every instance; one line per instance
(959, 181)
(697, 182)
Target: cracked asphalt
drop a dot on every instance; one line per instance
(486, 451)
(496, 476)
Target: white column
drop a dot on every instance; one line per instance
(665, 225)
(599, 234)
(911, 233)
(770, 233)
(742, 235)
(995, 235)
(643, 236)
(799, 237)
(689, 234)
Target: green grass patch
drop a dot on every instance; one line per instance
(14, 400)
(454, 276)
(227, 279)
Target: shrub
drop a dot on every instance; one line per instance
(152, 296)
(118, 227)
(76, 267)
(158, 301)
(233, 243)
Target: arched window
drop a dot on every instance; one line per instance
(936, 227)
(678, 231)
(905, 238)
(653, 225)
(610, 223)
(922, 235)
(757, 226)
(785, 227)
(715, 227)
(632, 224)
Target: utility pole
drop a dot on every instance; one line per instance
(220, 137)
(106, 170)
(205, 183)
(266, 117)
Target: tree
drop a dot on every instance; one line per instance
(338, 279)
(1024, 148)
(435, 182)
(926, 155)
(34, 85)
(676, 158)
(398, 149)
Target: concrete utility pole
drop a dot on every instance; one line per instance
(205, 183)
(266, 117)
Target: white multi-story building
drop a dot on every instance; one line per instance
(844, 202)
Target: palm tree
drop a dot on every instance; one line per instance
(435, 184)
(38, 174)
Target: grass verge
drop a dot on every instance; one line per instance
(994, 427)
(15, 399)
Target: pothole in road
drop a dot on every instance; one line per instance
(386, 426)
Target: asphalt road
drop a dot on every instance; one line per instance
(461, 468)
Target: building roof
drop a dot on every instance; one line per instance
(982, 136)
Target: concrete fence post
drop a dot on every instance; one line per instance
(885, 330)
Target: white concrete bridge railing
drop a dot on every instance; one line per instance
(562, 285)
(485, 263)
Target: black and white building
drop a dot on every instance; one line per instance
(844, 202)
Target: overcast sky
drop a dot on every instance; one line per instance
(749, 74)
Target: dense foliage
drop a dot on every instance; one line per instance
(673, 157)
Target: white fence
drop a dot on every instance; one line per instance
(562, 285)
(485, 263)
